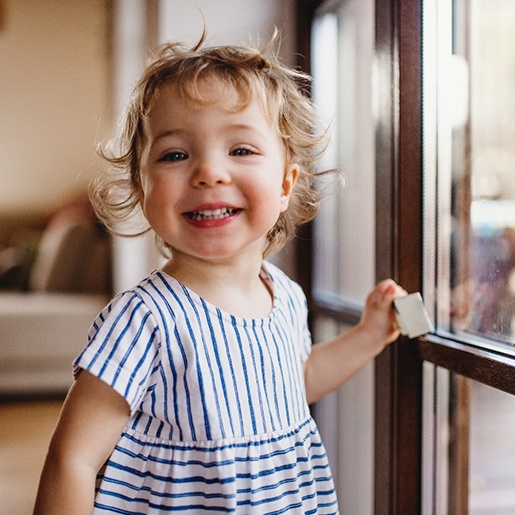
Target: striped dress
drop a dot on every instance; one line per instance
(219, 420)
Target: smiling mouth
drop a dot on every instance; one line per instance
(211, 214)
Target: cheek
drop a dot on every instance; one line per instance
(153, 198)
(144, 193)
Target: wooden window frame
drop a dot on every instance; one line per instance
(399, 254)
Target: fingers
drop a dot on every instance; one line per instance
(379, 315)
(387, 291)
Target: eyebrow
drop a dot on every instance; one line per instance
(166, 133)
(233, 127)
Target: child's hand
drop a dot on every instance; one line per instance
(331, 363)
(378, 317)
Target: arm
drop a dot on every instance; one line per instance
(332, 363)
(90, 424)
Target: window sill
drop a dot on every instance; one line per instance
(490, 367)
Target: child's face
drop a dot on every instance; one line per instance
(213, 181)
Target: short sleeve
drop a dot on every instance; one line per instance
(298, 307)
(291, 301)
(123, 348)
(305, 340)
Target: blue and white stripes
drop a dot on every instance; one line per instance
(219, 420)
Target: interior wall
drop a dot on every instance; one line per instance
(54, 99)
(228, 22)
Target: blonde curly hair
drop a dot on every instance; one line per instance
(247, 71)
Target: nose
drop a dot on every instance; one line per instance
(209, 172)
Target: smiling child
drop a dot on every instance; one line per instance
(193, 391)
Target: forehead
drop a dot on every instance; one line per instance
(213, 108)
(212, 91)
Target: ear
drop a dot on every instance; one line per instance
(289, 180)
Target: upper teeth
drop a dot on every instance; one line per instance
(212, 214)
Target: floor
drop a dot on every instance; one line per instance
(25, 431)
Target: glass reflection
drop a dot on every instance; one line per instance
(483, 172)
(469, 54)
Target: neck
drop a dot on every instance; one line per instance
(235, 287)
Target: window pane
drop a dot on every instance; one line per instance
(325, 95)
(489, 258)
(343, 46)
(469, 235)
(345, 419)
(492, 452)
(469, 446)
(342, 57)
(469, 166)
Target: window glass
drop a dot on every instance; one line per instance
(469, 168)
(325, 95)
(344, 232)
(468, 463)
(492, 451)
(342, 56)
(469, 246)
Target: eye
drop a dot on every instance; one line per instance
(176, 155)
(238, 152)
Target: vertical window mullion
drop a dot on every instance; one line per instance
(399, 250)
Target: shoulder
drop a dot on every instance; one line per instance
(153, 290)
(143, 301)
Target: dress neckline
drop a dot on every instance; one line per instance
(265, 276)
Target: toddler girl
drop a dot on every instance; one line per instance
(193, 391)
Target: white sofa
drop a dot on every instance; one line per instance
(40, 335)
(44, 328)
